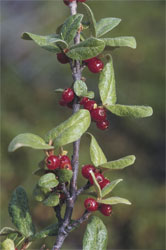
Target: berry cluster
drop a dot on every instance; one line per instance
(90, 203)
(94, 64)
(67, 2)
(98, 113)
(58, 162)
(67, 98)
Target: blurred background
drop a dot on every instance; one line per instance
(29, 76)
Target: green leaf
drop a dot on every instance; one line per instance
(107, 86)
(51, 230)
(96, 185)
(64, 175)
(52, 200)
(95, 236)
(7, 244)
(130, 111)
(52, 43)
(108, 188)
(80, 88)
(19, 212)
(8, 230)
(89, 48)
(90, 94)
(106, 24)
(48, 181)
(90, 18)
(28, 140)
(123, 41)
(14, 236)
(70, 130)
(96, 153)
(70, 27)
(114, 200)
(38, 194)
(120, 163)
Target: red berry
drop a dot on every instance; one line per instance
(91, 205)
(62, 102)
(86, 170)
(102, 124)
(106, 209)
(62, 58)
(95, 65)
(98, 114)
(66, 166)
(104, 183)
(64, 159)
(52, 162)
(84, 100)
(68, 95)
(89, 60)
(99, 177)
(89, 105)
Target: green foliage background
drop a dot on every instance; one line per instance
(29, 76)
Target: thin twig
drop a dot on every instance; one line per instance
(76, 223)
(82, 189)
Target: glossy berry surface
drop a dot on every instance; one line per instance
(98, 114)
(52, 162)
(62, 58)
(95, 65)
(91, 205)
(106, 209)
(84, 100)
(86, 170)
(102, 124)
(68, 95)
(66, 166)
(64, 159)
(104, 183)
(89, 105)
(99, 177)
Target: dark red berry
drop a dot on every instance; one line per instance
(86, 170)
(104, 183)
(106, 209)
(68, 95)
(89, 60)
(66, 166)
(84, 100)
(89, 105)
(62, 196)
(102, 124)
(62, 58)
(99, 177)
(98, 114)
(95, 65)
(91, 205)
(52, 162)
(64, 159)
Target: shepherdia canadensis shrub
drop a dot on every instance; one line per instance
(57, 174)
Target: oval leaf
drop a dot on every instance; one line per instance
(95, 236)
(7, 244)
(51, 230)
(19, 212)
(90, 94)
(52, 43)
(90, 18)
(48, 181)
(70, 27)
(96, 185)
(130, 111)
(70, 130)
(38, 194)
(124, 41)
(114, 200)
(28, 140)
(106, 24)
(64, 175)
(89, 48)
(52, 200)
(96, 153)
(120, 163)
(80, 88)
(108, 188)
(107, 87)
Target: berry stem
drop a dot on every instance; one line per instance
(76, 74)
